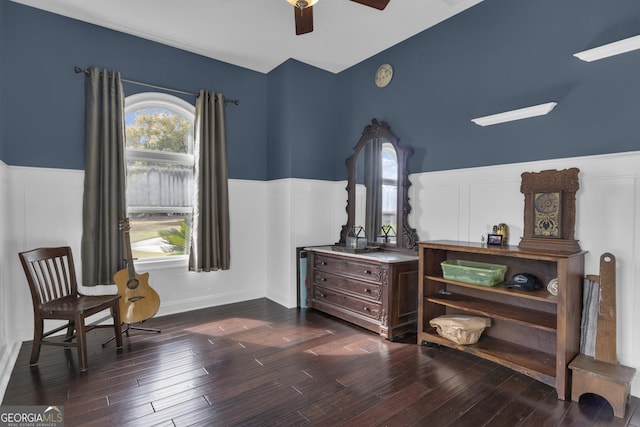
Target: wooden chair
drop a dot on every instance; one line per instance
(54, 292)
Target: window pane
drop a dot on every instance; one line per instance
(159, 129)
(156, 184)
(160, 173)
(158, 234)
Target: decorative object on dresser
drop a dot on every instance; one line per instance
(356, 238)
(494, 239)
(550, 210)
(373, 183)
(377, 291)
(532, 332)
(502, 229)
(600, 373)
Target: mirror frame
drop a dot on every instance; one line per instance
(407, 238)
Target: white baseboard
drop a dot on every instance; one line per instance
(197, 303)
(8, 357)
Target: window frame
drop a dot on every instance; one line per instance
(144, 100)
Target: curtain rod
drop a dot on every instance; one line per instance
(226, 101)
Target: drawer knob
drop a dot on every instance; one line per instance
(367, 290)
(323, 263)
(367, 271)
(366, 309)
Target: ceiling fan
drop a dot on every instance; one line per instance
(303, 12)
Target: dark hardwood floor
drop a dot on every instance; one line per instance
(257, 363)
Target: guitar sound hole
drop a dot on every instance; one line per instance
(133, 283)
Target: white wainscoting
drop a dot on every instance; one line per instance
(270, 219)
(300, 213)
(463, 205)
(47, 211)
(9, 342)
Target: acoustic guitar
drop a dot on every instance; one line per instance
(138, 301)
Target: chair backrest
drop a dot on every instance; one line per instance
(50, 273)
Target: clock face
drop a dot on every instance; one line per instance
(546, 218)
(384, 75)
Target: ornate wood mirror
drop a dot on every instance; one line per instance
(377, 189)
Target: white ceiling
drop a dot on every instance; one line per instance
(260, 34)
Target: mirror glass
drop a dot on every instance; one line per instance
(377, 189)
(389, 220)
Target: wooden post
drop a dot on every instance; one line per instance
(601, 374)
(606, 350)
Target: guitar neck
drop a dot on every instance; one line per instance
(127, 245)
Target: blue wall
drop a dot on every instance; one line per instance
(497, 56)
(302, 115)
(44, 117)
(298, 121)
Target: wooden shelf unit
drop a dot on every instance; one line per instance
(532, 332)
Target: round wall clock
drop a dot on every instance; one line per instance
(550, 210)
(384, 75)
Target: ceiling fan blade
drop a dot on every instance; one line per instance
(304, 20)
(377, 4)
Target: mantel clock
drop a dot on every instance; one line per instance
(550, 210)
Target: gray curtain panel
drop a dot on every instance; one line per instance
(210, 241)
(104, 203)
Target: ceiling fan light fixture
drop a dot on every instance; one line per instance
(521, 113)
(611, 49)
(302, 4)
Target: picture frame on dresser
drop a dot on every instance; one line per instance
(494, 239)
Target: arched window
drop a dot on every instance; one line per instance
(160, 167)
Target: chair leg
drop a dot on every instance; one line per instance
(70, 331)
(38, 327)
(81, 340)
(117, 325)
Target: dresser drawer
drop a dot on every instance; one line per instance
(352, 303)
(359, 269)
(347, 284)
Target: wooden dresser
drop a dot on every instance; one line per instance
(377, 291)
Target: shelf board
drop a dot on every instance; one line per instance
(533, 363)
(509, 251)
(525, 316)
(501, 288)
